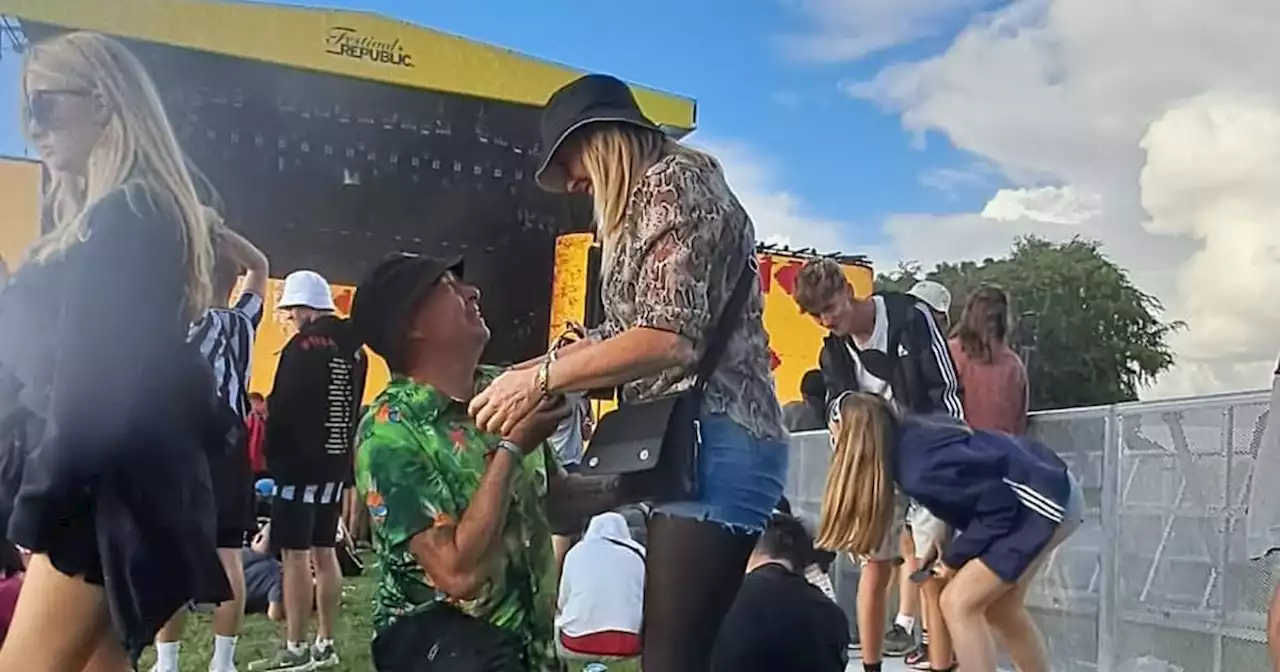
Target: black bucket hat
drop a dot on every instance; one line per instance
(386, 297)
(586, 100)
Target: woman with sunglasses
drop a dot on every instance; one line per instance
(675, 242)
(1010, 500)
(107, 477)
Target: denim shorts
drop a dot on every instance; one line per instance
(740, 477)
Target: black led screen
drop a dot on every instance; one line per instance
(331, 173)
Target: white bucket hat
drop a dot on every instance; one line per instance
(306, 289)
(933, 294)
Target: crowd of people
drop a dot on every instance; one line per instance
(131, 443)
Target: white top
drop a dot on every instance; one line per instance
(602, 587)
(567, 440)
(878, 340)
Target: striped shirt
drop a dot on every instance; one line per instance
(225, 337)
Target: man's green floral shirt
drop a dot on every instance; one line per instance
(419, 461)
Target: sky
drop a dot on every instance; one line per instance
(932, 130)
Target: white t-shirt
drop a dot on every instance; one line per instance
(878, 340)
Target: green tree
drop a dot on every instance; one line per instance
(1097, 337)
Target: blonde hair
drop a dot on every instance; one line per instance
(137, 146)
(615, 156)
(858, 501)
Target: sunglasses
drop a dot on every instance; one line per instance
(42, 105)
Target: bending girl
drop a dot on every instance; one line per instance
(1011, 501)
(107, 475)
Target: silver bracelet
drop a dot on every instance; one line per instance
(517, 453)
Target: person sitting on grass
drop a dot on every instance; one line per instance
(601, 597)
(781, 621)
(263, 577)
(459, 517)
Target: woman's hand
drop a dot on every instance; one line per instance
(510, 398)
(538, 426)
(942, 571)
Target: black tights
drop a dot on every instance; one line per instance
(693, 571)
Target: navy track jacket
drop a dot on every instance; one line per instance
(1003, 495)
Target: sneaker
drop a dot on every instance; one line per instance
(285, 661)
(917, 658)
(897, 642)
(324, 656)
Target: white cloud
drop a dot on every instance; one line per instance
(1054, 205)
(779, 216)
(1152, 128)
(852, 29)
(1213, 166)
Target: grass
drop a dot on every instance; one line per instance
(260, 636)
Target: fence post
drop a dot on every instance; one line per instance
(1108, 590)
(1224, 537)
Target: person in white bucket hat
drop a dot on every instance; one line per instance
(307, 290)
(937, 297)
(318, 388)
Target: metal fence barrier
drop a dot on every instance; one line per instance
(1157, 579)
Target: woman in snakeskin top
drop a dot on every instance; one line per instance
(675, 240)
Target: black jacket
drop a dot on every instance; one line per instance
(918, 365)
(108, 416)
(314, 402)
(779, 621)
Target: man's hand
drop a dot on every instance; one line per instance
(536, 427)
(574, 499)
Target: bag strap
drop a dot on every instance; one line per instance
(633, 549)
(730, 317)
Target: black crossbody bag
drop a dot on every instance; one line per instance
(653, 445)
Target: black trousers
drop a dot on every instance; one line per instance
(443, 639)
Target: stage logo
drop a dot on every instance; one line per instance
(351, 43)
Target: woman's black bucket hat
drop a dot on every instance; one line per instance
(586, 100)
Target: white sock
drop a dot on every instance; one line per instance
(907, 623)
(297, 647)
(323, 642)
(224, 654)
(167, 656)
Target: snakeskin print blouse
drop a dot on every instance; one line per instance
(685, 241)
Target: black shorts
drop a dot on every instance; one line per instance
(300, 522)
(232, 479)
